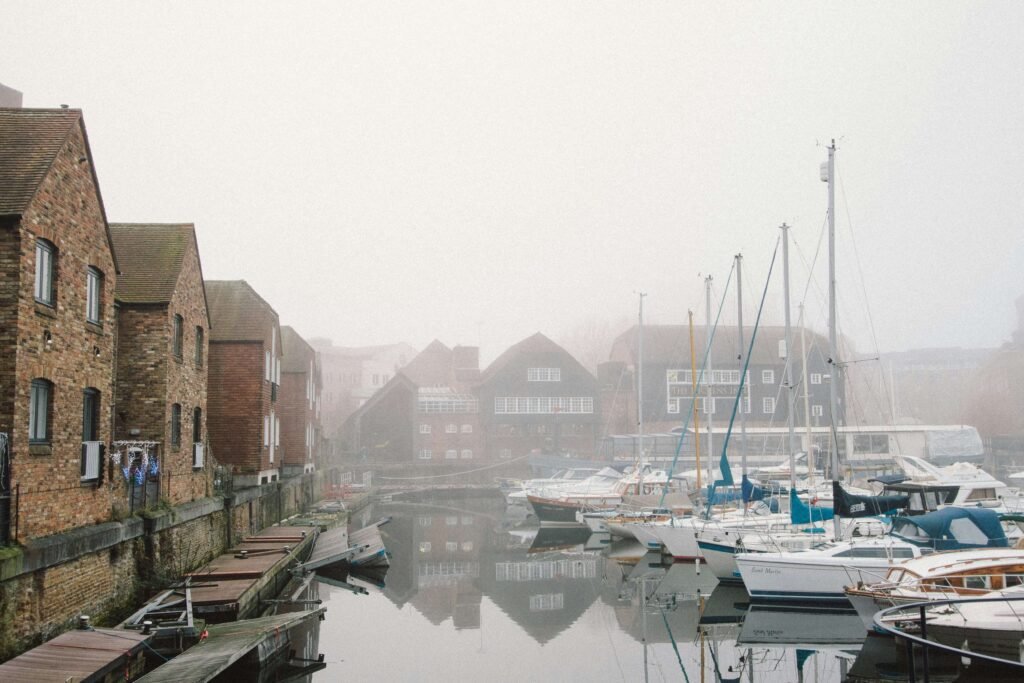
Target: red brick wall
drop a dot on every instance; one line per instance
(67, 212)
(295, 415)
(238, 398)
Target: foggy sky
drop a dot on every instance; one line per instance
(479, 171)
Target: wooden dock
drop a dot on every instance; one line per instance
(234, 585)
(230, 645)
(81, 656)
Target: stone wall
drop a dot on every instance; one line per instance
(109, 570)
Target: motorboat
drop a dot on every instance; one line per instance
(604, 490)
(940, 576)
(516, 491)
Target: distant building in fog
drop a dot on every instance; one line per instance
(9, 97)
(440, 408)
(352, 374)
(668, 381)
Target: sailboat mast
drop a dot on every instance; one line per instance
(739, 358)
(791, 403)
(709, 406)
(833, 347)
(811, 464)
(640, 395)
(693, 384)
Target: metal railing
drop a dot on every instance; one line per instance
(890, 621)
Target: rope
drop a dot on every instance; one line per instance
(700, 380)
(727, 476)
(458, 474)
(675, 647)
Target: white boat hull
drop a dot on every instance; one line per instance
(771, 578)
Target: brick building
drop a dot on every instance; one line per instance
(668, 384)
(244, 421)
(537, 398)
(426, 413)
(299, 404)
(163, 337)
(57, 326)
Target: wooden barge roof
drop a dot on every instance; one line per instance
(225, 645)
(80, 655)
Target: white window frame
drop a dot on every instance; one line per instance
(451, 454)
(817, 411)
(768, 405)
(425, 454)
(815, 378)
(93, 291)
(767, 377)
(467, 429)
(45, 255)
(451, 428)
(544, 374)
(424, 428)
(466, 454)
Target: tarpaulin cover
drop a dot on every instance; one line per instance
(850, 505)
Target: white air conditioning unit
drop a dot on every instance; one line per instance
(197, 455)
(92, 453)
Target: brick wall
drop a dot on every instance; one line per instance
(187, 383)
(67, 212)
(238, 398)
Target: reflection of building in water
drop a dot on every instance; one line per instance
(545, 593)
(436, 562)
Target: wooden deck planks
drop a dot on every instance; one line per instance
(75, 655)
(226, 644)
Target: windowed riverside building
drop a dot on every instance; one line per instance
(163, 339)
(244, 378)
(299, 404)
(668, 381)
(58, 272)
(537, 398)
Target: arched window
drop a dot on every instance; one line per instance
(179, 324)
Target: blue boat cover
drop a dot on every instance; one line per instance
(750, 491)
(850, 505)
(802, 513)
(953, 528)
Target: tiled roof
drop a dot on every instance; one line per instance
(671, 344)
(297, 352)
(30, 140)
(534, 344)
(150, 257)
(237, 312)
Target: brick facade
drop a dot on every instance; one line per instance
(243, 379)
(299, 404)
(151, 378)
(56, 343)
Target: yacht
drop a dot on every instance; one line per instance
(820, 575)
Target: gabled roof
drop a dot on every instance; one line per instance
(151, 257)
(536, 343)
(237, 312)
(30, 140)
(297, 352)
(432, 366)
